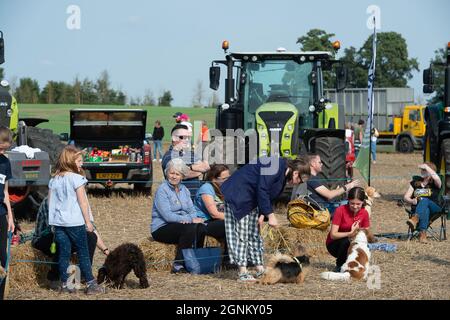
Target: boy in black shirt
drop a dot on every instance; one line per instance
(6, 217)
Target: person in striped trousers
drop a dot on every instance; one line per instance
(248, 196)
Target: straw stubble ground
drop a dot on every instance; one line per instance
(415, 271)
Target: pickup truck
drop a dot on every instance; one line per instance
(115, 145)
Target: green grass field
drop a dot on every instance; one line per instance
(58, 115)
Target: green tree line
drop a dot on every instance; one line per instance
(84, 91)
(393, 66)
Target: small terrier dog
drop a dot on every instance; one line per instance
(358, 257)
(371, 194)
(119, 263)
(283, 268)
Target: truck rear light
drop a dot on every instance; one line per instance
(147, 154)
(31, 163)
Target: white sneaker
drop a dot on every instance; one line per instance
(246, 277)
(160, 160)
(154, 160)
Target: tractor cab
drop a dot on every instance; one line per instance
(278, 97)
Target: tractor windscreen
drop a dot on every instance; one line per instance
(279, 81)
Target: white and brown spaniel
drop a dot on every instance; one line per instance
(358, 257)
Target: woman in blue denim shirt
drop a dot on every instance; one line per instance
(174, 218)
(209, 204)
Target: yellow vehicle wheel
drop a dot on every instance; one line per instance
(405, 145)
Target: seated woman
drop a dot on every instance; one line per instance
(43, 237)
(209, 203)
(347, 220)
(174, 219)
(423, 195)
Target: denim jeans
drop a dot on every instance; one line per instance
(423, 210)
(65, 238)
(157, 148)
(3, 249)
(373, 149)
(43, 244)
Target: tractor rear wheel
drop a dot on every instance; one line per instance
(445, 163)
(431, 147)
(332, 154)
(45, 140)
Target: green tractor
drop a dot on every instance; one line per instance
(278, 101)
(30, 175)
(437, 117)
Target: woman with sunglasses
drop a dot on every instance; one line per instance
(209, 203)
(248, 196)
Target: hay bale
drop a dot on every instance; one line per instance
(27, 274)
(288, 237)
(160, 256)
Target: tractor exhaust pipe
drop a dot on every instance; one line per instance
(22, 137)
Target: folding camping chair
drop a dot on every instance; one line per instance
(442, 215)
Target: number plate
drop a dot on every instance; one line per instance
(31, 175)
(109, 175)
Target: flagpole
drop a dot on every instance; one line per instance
(363, 161)
(370, 147)
(372, 102)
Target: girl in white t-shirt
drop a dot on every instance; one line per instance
(70, 215)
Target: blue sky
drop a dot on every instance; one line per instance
(170, 44)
